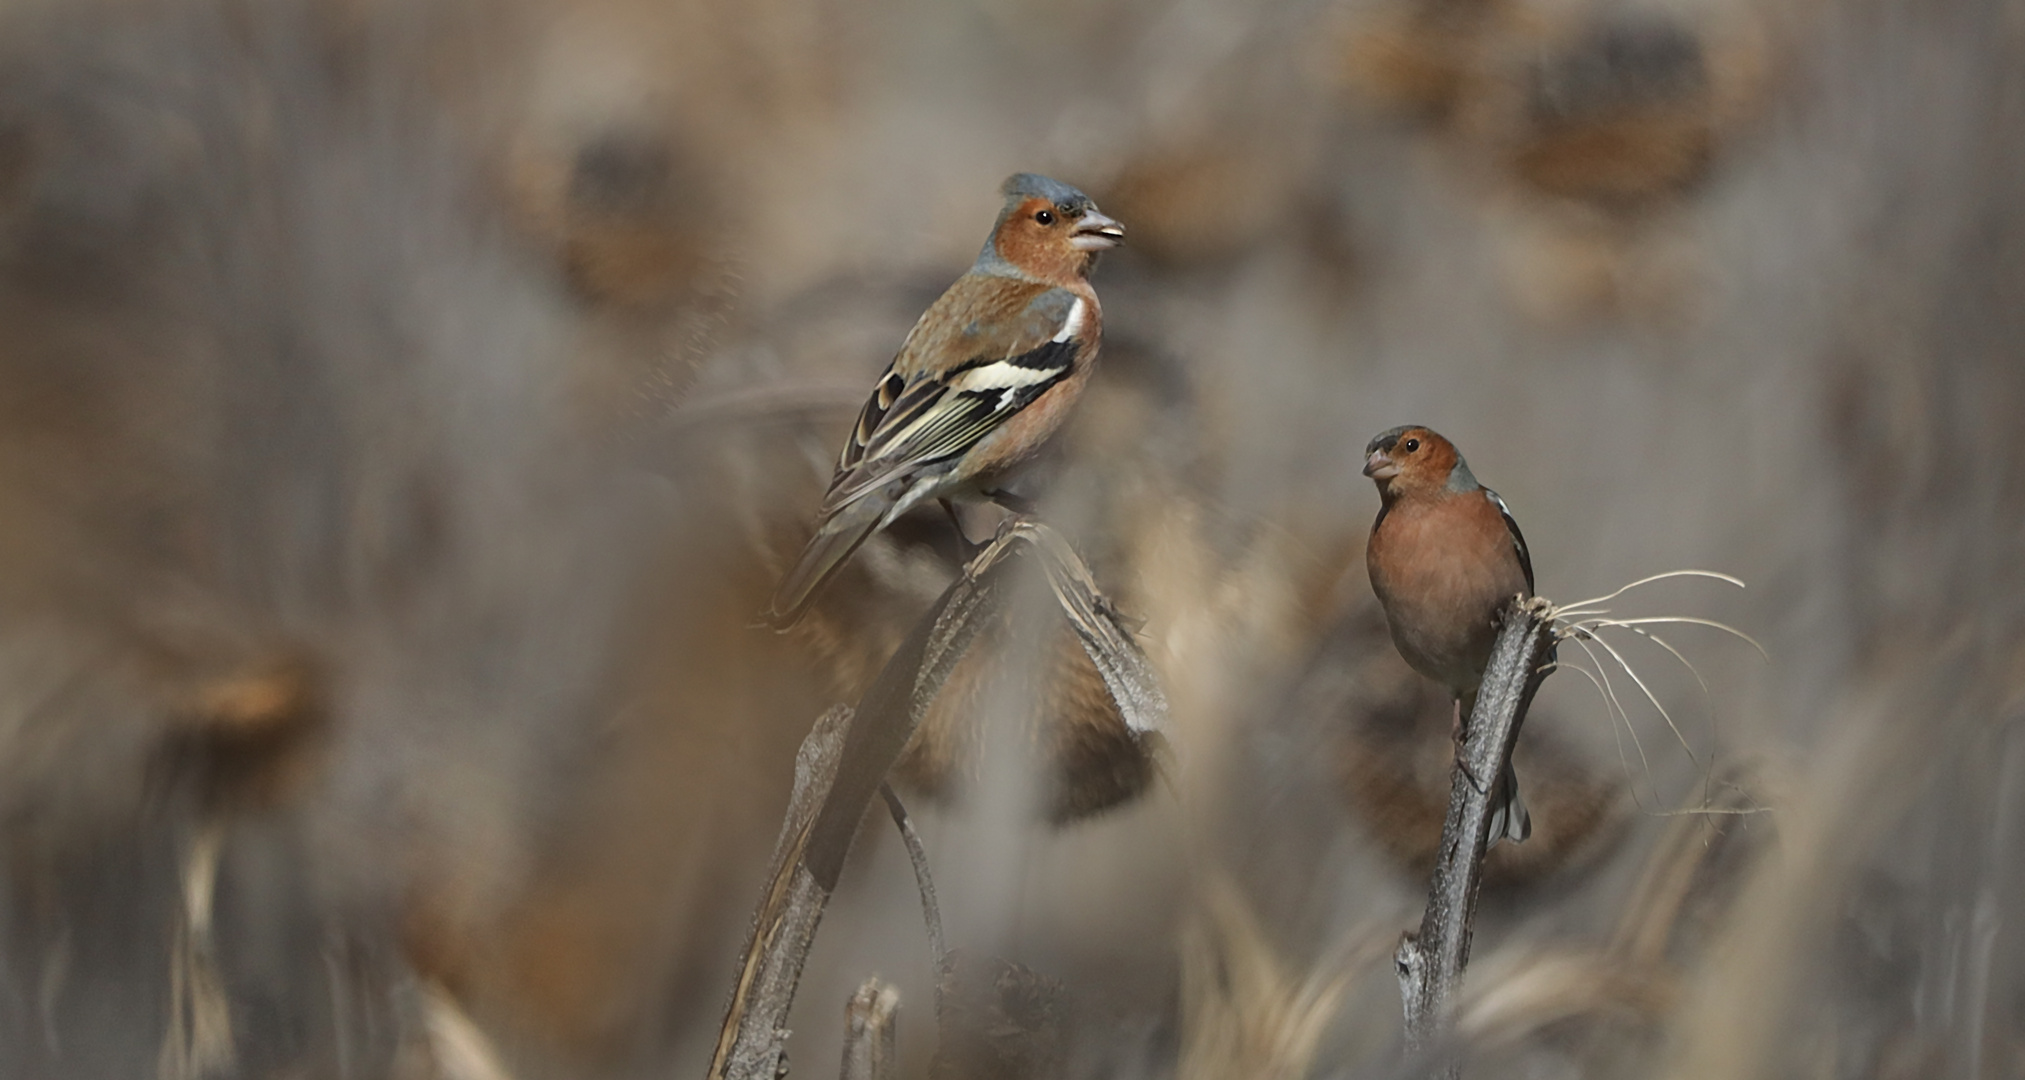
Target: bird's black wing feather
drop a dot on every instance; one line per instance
(937, 417)
(1518, 538)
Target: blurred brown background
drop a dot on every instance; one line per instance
(406, 407)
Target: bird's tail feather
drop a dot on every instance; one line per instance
(837, 537)
(1509, 818)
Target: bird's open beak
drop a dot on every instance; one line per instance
(1380, 467)
(1095, 232)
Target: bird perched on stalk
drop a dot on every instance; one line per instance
(1444, 557)
(985, 377)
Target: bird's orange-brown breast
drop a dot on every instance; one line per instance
(1027, 431)
(1443, 566)
(1024, 433)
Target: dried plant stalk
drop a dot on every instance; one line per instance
(752, 1044)
(917, 853)
(844, 761)
(199, 1039)
(871, 1038)
(899, 699)
(1431, 962)
(1127, 674)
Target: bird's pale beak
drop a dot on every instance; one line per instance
(1095, 232)
(1380, 467)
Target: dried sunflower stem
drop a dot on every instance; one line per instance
(917, 853)
(871, 1043)
(752, 1045)
(845, 759)
(841, 763)
(1431, 962)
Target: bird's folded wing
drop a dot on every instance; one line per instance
(1518, 538)
(922, 414)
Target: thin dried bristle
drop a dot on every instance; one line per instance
(1618, 712)
(1662, 643)
(1705, 810)
(1580, 622)
(1691, 620)
(1708, 703)
(1614, 736)
(1738, 582)
(1584, 633)
(1646, 690)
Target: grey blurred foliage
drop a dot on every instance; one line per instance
(405, 409)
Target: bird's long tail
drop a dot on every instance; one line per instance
(1509, 819)
(837, 536)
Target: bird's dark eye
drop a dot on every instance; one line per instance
(1411, 445)
(1045, 217)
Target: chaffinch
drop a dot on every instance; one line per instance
(1445, 556)
(985, 377)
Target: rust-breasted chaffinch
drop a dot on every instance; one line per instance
(984, 378)
(1445, 556)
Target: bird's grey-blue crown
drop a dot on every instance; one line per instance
(1033, 185)
(1386, 440)
(1017, 188)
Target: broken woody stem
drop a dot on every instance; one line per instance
(871, 1043)
(1431, 962)
(845, 759)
